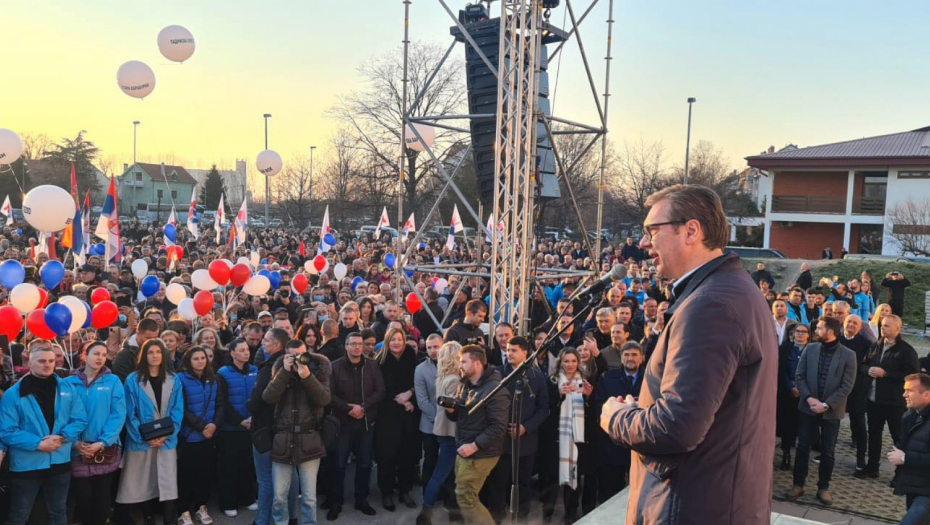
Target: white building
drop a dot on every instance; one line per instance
(236, 181)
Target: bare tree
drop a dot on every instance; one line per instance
(709, 168)
(910, 226)
(292, 189)
(637, 173)
(341, 179)
(36, 145)
(582, 165)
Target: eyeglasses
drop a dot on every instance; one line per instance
(650, 230)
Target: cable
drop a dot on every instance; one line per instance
(555, 86)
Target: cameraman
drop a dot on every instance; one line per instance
(299, 389)
(479, 436)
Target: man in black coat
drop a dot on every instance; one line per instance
(853, 339)
(896, 282)
(468, 330)
(332, 346)
(805, 280)
(911, 455)
(761, 274)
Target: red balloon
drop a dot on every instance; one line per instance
(35, 324)
(219, 272)
(175, 251)
(299, 283)
(104, 314)
(203, 302)
(43, 300)
(11, 322)
(239, 274)
(413, 303)
(319, 262)
(99, 295)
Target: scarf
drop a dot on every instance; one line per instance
(571, 431)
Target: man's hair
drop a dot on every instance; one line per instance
(368, 333)
(430, 295)
(631, 345)
(843, 305)
(475, 306)
(147, 325)
(832, 323)
(477, 353)
(293, 344)
(359, 335)
(605, 312)
(279, 335)
(433, 337)
(923, 379)
(251, 326)
(700, 203)
(520, 342)
(39, 348)
(329, 328)
(153, 310)
(503, 325)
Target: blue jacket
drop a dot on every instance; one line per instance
(238, 386)
(199, 406)
(105, 403)
(794, 317)
(22, 427)
(865, 306)
(140, 409)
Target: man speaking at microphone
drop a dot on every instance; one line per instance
(703, 431)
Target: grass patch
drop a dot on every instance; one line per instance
(779, 268)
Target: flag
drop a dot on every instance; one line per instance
(303, 250)
(172, 220)
(409, 226)
(219, 219)
(67, 236)
(455, 226)
(80, 253)
(108, 225)
(242, 222)
(489, 227)
(7, 210)
(324, 229)
(382, 223)
(192, 216)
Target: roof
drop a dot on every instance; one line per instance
(908, 148)
(44, 171)
(154, 171)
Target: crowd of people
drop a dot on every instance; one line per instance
(264, 401)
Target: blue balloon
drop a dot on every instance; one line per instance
(357, 281)
(58, 318)
(263, 261)
(19, 231)
(329, 239)
(87, 319)
(99, 249)
(11, 273)
(422, 245)
(266, 272)
(389, 260)
(149, 286)
(409, 273)
(52, 273)
(275, 279)
(171, 232)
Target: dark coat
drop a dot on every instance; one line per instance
(357, 386)
(262, 412)
(534, 409)
(464, 333)
(613, 383)
(840, 379)
(298, 412)
(424, 322)
(487, 427)
(704, 432)
(396, 427)
(913, 477)
(898, 362)
(333, 350)
(856, 403)
(805, 280)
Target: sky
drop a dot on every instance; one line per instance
(763, 73)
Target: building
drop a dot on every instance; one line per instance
(845, 194)
(43, 171)
(235, 181)
(151, 189)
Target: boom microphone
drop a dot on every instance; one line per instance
(615, 274)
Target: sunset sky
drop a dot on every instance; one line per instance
(764, 73)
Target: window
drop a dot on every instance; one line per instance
(160, 194)
(174, 194)
(139, 176)
(911, 229)
(914, 174)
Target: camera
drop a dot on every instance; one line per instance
(447, 402)
(303, 359)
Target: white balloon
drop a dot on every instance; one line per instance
(228, 263)
(427, 132)
(25, 297)
(339, 271)
(201, 279)
(441, 285)
(136, 79)
(244, 260)
(176, 43)
(186, 309)
(48, 208)
(175, 293)
(11, 146)
(78, 312)
(254, 259)
(140, 268)
(268, 163)
(257, 285)
(311, 269)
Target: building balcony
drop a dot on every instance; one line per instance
(869, 205)
(809, 204)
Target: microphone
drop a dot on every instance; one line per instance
(615, 274)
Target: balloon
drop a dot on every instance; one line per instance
(339, 271)
(413, 303)
(43, 298)
(98, 249)
(254, 259)
(149, 286)
(11, 273)
(257, 285)
(171, 232)
(58, 318)
(203, 302)
(139, 268)
(89, 313)
(219, 272)
(176, 43)
(11, 322)
(239, 274)
(52, 273)
(243, 260)
(389, 260)
(176, 252)
(25, 297)
(268, 163)
(135, 79)
(48, 208)
(99, 295)
(201, 279)
(357, 281)
(104, 314)
(329, 239)
(11, 149)
(275, 279)
(78, 312)
(35, 324)
(319, 263)
(264, 271)
(440, 285)
(299, 282)
(175, 293)
(186, 309)
(310, 267)
(427, 132)
(409, 273)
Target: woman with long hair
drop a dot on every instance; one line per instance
(210, 338)
(865, 287)
(96, 453)
(310, 335)
(397, 437)
(173, 341)
(150, 467)
(366, 309)
(788, 393)
(881, 312)
(197, 448)
(570, 390)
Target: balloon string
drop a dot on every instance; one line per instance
(12, 172)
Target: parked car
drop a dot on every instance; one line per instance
(754, 253)
(275, 223)
(256, 223)
(370, 230)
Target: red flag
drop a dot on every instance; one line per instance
(51, 246)
(303, 249)
(67, 237)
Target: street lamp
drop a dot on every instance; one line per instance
(132, 176)
(311, 175)
(267, 185)
(691, 100)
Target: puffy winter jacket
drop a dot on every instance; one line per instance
(200, 407)
(236, 387)
(298, 410)
(486, 427)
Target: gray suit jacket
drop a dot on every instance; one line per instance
(840, 380)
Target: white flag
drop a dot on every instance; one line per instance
(382, 223)
(219, 219)
(242, 222)
(7, 210)
(323, 231)
(192, 216)
(455, 226)
(409, 226)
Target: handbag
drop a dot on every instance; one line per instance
(106, 456)
(156, 429)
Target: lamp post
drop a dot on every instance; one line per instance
(311, 178)
(132, 176)
(691, 100)
(267, 185)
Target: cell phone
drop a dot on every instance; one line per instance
(123, 301)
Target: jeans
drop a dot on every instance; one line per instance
(266, 488)
(918, 510)
(283, 476)
(829, 430)
(470, 475)
(23, 494)
(445, 463)
(358, 440)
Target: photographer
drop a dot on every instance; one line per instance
(479, 436)
(468, 330)
(299, 389)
